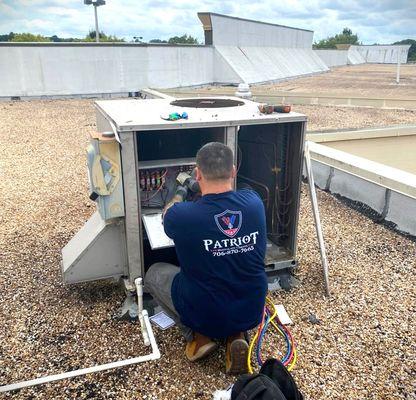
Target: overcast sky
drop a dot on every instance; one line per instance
(375, 21)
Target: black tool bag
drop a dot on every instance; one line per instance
(273, 382)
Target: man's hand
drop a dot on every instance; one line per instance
(181, 191)
(180, 195)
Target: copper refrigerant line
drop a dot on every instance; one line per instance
(261, 185)
(280, 208)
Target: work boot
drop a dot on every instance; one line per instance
(200, 347)
(236, 355)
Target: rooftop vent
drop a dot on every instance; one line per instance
(207, 103)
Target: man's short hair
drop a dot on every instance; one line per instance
(215, 160)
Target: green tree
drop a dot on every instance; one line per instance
(58, 39)
(28, 37)
(184, 39)
(103, 37)
(157, 41)
(345, 37)
(6, 37)
(412, 50)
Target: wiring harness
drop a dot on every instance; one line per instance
(270, 318)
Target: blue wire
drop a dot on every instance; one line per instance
(260, 340)
(288, 344)
(288, 348)
(261, 337)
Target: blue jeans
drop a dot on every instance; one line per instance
(158, 281)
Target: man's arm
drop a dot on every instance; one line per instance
(169, 218)
(185, 181)
(177, 198)
(180, 195)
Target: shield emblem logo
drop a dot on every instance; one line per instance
(229, 222)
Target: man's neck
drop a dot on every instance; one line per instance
(216, 188)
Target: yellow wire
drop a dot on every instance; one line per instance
(295, 358)
(273, 308)
(277, 328)
(250, 349)
(295, 353)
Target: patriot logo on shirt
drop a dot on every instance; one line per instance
(229, 222)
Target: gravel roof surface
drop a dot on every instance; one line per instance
(337, 118)
(366, 80)
(364, 347)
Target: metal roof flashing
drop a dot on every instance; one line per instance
(138, 115)
(205, 16)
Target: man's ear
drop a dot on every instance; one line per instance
(198, 175)
(234, 172)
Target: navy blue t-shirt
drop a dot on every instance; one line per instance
(220, 241)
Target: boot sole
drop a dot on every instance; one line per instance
(203, 352)
(238, 356)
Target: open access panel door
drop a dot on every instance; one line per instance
(270, 162)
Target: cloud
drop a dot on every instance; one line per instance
(381, 21)
(7, 11)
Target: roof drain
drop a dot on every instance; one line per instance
(386, 207)
(330, 176)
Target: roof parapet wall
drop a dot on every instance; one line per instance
(223, 30)
(383, 54)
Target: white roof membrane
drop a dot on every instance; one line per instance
(262, 64)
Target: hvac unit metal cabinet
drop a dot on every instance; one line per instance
(133, 162)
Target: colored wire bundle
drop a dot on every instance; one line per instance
(160, 190)
(270, 318)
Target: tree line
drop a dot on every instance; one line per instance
(331, 42)
(90, 37)
(348, 37)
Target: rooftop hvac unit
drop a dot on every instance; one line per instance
(133, 161)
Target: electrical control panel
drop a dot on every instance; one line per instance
(158, 185)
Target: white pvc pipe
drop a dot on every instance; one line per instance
(317, 218)
(154, 355)
(139, 291)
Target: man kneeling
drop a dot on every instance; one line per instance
(220, 288)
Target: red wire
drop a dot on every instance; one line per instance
(265, 310)
(292, 344)
(260, 328)
(287, 331)
(261, 325)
